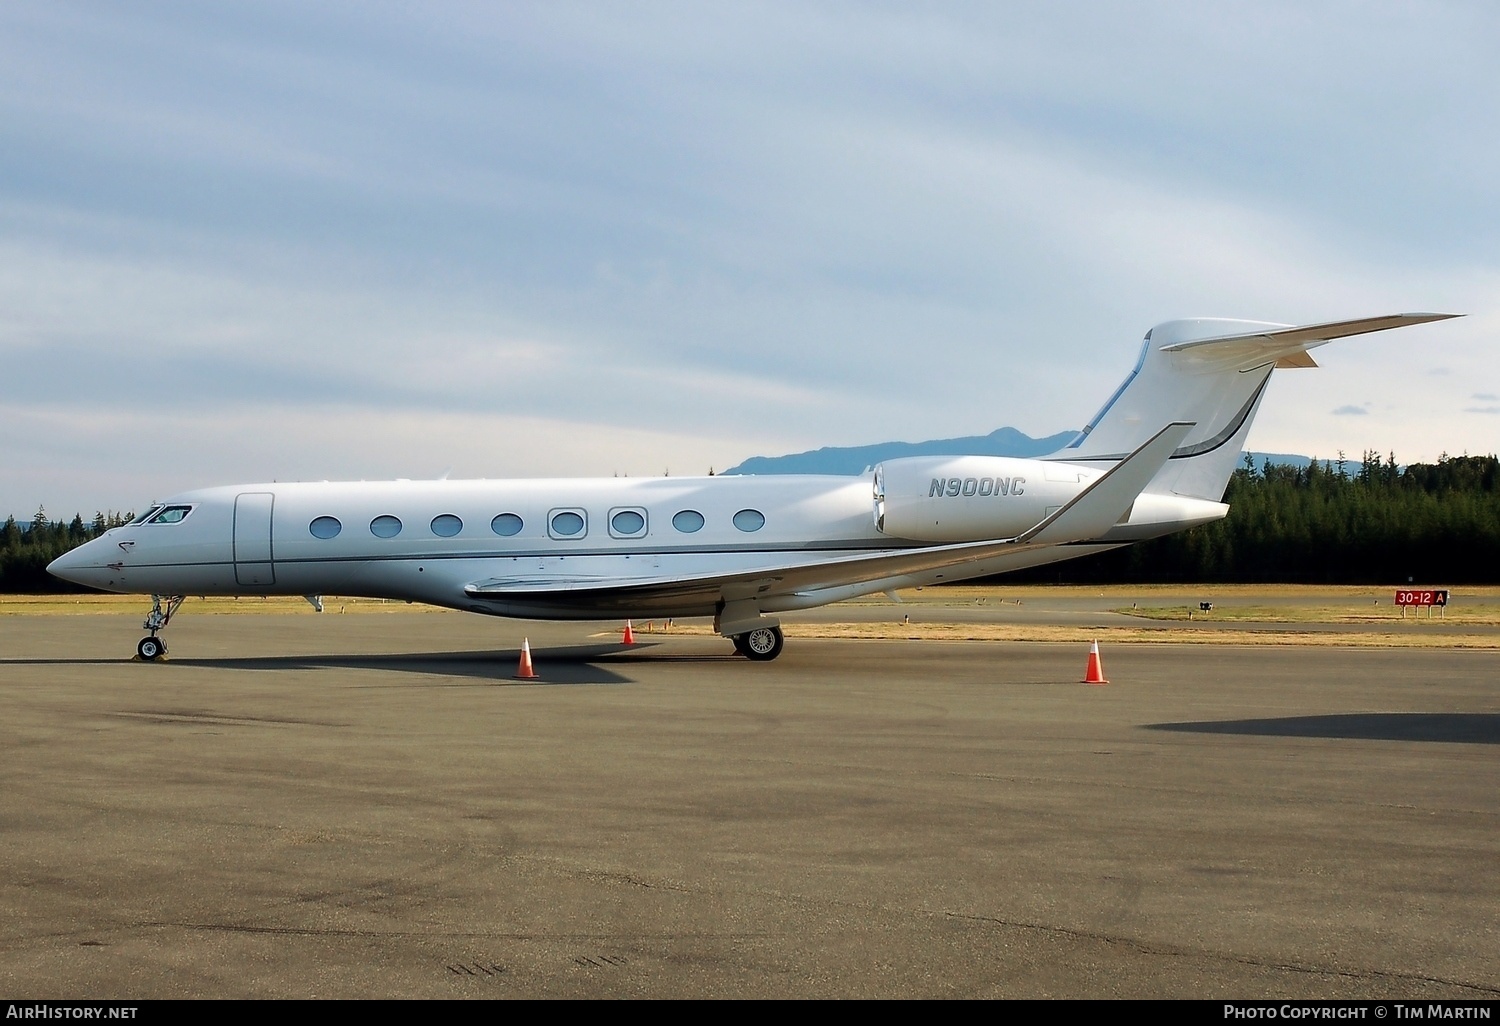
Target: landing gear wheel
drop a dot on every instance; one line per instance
(739, 645)
(152, 648)
(762, 644)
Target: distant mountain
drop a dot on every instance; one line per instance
(854, 459)
(850, 460)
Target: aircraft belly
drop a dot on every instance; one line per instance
(531, 609)
(676, 585)
(443, 583)
(197, 579)
(340, 577)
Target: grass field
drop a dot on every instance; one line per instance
(1157, 635)
(1351, 594)
(1486, 614)
(83, 605)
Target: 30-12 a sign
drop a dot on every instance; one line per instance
(1419, 597)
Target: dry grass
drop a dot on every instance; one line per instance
(1083, 635)
(1479, 615)
(77, 605)
(1148, 635)
(1157, 594)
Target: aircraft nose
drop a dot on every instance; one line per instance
(77, 565)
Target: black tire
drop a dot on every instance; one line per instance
(739, 645)
(151, 649)
(763, 644)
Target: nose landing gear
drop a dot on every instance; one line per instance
(153, 648)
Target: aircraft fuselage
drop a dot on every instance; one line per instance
(427, 541)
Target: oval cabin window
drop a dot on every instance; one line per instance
(627, 523)
(749, 520)
(567, 524)
(446, 525)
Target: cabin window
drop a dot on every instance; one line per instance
(689, 521)
(506, 525)
(385, 526)
(446, 525)
(567, 523)
(627, 523)
(325, 528)
(749, 520)
(170, 515)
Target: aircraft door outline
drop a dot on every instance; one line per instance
(254, 558)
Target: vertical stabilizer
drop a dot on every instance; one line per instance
(1212, 373)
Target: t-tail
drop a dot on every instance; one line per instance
(1211, 373)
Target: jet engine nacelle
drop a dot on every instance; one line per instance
(970, 498)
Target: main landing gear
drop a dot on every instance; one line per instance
(762, 644)
(755, 635)
(152, 648)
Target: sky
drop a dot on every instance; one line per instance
(245, 242)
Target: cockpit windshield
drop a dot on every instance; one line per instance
(151, 511)
(170, 515)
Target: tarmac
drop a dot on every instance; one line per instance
(370, 806)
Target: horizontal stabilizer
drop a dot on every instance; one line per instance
(1285, 346)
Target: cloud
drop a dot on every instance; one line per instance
(1482, 409)
(1485, 396)
(750, 227)
(338, 440)
(1349, 411)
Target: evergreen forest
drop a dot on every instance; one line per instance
(25, 550)
(1330, 522)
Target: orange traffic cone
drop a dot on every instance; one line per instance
(525, 670)
(629, 638)
(1095, 673)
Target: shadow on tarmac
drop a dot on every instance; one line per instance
(579, 664)
(1463, 728)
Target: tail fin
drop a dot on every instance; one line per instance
(1213, 373)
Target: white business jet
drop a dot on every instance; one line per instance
(1156, 459)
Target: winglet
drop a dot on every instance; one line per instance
(1097, 508)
